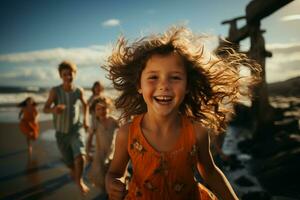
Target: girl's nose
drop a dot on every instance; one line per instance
(164, 85)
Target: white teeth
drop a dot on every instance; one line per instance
(163, 98)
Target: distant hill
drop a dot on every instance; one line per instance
(290, 87)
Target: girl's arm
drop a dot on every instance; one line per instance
(20, 113)
(114, 187)
(211, 174)
(89, 141)
(36, 115)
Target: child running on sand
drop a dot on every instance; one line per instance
(97, 90)
(104, 128)
(29, 121)
(63, 102)
(176, 92)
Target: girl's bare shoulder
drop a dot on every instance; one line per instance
(123, 131)
(201, 132)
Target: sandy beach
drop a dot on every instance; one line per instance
(44, 176)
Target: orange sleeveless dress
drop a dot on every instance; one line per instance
(27, 124)
(164, 175)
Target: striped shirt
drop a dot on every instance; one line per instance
(70, 117)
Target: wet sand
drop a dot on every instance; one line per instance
(44, 176)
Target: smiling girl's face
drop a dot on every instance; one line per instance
(163, 83)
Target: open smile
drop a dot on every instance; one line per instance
(163, 99)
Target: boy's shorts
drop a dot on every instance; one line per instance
(71, 144)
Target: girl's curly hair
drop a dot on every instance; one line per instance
(214, 81)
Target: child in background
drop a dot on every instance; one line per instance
(63, 102)
(97, 90)
(29, 121)
(177, 93)
(104, 129)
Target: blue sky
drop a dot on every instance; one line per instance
(38, 34)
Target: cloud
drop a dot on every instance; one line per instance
(290, 18)
(284, 47)
(81, 56)
(285, 62)
(40, 67)
(29, 76)
(111, 23)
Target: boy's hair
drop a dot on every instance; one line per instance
(67, 65)
(94, 86)
(213, 82)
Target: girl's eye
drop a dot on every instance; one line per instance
(176, 78)
(152, 77)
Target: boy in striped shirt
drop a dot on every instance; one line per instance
(64, 103)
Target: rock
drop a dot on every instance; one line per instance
(242, 117)
(256, 195)
(280, 173)
(245, 145)
(244, 181)
(283, 198)
(289, 125)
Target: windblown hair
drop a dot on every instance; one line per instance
(214, 82)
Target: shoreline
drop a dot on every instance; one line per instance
(17, 140)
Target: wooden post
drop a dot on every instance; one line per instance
(261, 108)
(256, 10)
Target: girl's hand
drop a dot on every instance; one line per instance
(116, 189)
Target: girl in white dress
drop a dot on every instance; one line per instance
(97, 91)
(104, 129)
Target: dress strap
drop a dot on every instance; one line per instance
(133, 129)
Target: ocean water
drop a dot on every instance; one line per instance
(8, 104)
(11, 113)
(10, 97)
